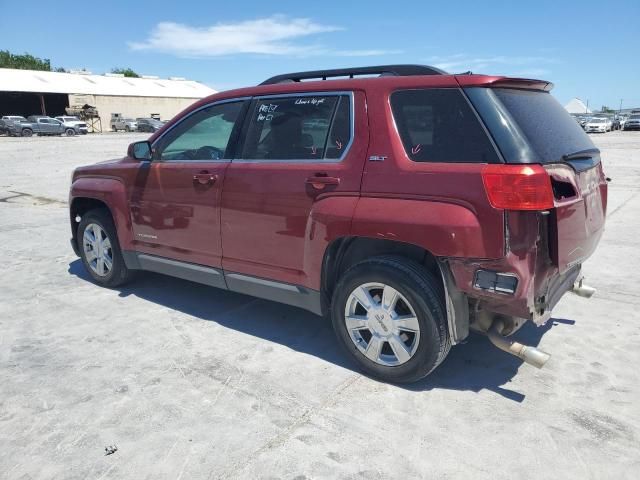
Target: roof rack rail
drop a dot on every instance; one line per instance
(382, 70)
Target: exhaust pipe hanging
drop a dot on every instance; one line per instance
(530, 355)
(579, 288)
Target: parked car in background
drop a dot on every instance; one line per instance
(615, 122)
(126, 124)
(633, 122)
(3, 128)
(597, 125)
(623, 119)
(42, 125)
(582, 120)
(38, 124)
(6, 123)
(14, 118)
(73, 125)
(149, 124)
(403, 206)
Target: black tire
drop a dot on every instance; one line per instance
(119, 273)
(70, 132)
(26, 132)
(426, 296)
(127, 128)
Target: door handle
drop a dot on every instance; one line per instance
(205, 178)
(321, 181)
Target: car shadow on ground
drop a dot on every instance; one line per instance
(473, 366)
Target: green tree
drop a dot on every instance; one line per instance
(23, 62)
(606, 109)
(127, 72)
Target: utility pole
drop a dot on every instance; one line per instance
(620, 109)
(587, 109)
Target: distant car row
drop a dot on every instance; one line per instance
(602, 123)
(18, 126)
(138, 125)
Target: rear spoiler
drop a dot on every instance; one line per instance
(504, 82)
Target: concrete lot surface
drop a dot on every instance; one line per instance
(194, 383)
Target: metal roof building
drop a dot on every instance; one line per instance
(30, 92)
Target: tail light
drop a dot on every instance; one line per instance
(518, 187)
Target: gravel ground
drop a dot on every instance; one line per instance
(191, 382)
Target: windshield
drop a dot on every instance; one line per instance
(634, 117)
(529, 126)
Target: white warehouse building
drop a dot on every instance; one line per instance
(31, 92)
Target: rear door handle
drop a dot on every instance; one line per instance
(320, 181)
(204, 178)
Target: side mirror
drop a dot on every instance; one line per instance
(140, 150)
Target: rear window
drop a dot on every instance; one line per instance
(548, 128)
(438, 125)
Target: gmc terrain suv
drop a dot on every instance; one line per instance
(408, 204)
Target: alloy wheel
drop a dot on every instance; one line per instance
(382, 324)
(97, 249)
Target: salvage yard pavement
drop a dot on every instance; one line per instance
(180, 380)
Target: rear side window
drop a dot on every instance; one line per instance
(313, 127)
(437, 125)
(549, 129)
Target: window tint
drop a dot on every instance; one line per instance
(437, 125)
(202, 136)
(298, 127)
(549, 129)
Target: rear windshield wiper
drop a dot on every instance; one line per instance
(588, 153)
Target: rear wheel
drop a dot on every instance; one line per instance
(100, 251)
(388, 313)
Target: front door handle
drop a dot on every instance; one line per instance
(205, 178)
(321, 181)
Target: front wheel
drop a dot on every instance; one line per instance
(389, 314)
(27, 132)
(70, 132)
(100, 251)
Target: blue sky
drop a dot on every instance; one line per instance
(589, 49)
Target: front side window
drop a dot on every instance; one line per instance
(437, 125)
(202, 136)
(312, 127)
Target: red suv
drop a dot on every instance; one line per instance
(408, 204)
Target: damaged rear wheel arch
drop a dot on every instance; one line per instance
(342, 253)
